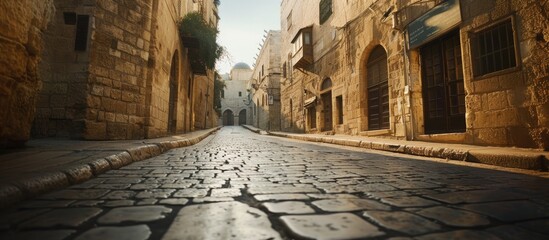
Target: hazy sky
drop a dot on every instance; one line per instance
(241, 28)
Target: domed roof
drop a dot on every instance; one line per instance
(241, 65)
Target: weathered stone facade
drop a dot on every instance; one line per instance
(22, 26)
(265, 84)
(236, 106)
(128, 77)
(376, 84)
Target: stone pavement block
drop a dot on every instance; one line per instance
(332, 226)
(411, 201)
(138, 232)
(459, 235)
(113, 186)
(155, 193)
(541, 226)
(226, 192)
(190, 193)
(476, 196)
(119, 195)
(69, 217)
(285, 189)
(374, 187)
(99, 166)
(402, 222)
(288, 207)
(119, 203)
(454, 217)
(144, 186)
(145, 202)
(42, 235)
(344, 205)
(139, 214)
(46, 203)
(330, 196)
(42, 183)
(511, 232)
(73, 194)
(87, 203)
(212, 199)
(174, 201)
(15, 217)
(405, 185)
(509, 211)
(119, 160)
(228, 220)
(78, 174)
(276, 197)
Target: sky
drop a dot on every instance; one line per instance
(241, 29)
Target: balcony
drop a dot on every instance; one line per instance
(303, 48)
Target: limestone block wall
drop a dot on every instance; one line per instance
(509, 108)
(62, 103)
(22, 27)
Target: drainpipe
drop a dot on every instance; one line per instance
(408, 83)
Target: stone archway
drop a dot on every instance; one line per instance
(242, 117)
(228, 118)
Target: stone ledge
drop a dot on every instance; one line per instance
(50, 181)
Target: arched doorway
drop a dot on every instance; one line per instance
(242, 117)
(378, 89)
(228, 118)
(326, 98)
(174, 83)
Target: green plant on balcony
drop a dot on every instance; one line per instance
(201, 39)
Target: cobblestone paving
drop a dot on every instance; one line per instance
(240, 185)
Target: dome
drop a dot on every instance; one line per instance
(241, 65)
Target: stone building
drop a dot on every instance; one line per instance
(265, 84)
(235, 98)
(454, 71)
(22, 27)
(116, 69)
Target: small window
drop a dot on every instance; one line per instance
(284, 70)
(240, 94)
(307, 38)
(325, 10)
(339, 106)
(494, 49)
(81, 40)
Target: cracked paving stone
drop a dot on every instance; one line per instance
(276, 197)
(138, 232)
(411, 201)
(228, 220)
(73, 194)
(402, 221)
(459, 235)
(508, 232)
(138, 214)
(288, 207)
(70, 217)
(174, 201)
(332, 226)
(344, 205)
(190, 193)
(454, 217)
(43, 235)
(477, 196)
(226, 192)
(509, 211)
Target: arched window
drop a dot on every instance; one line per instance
(326, 84)
(378, 89)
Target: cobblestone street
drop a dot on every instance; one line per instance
(237, 184)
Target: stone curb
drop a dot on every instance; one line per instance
(529, 161)
(50, 181)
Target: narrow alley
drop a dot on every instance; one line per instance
(237, 184)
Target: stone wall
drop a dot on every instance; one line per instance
(510, 108)
(266, 84)
(22, 26)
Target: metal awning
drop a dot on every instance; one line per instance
(309, 101)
